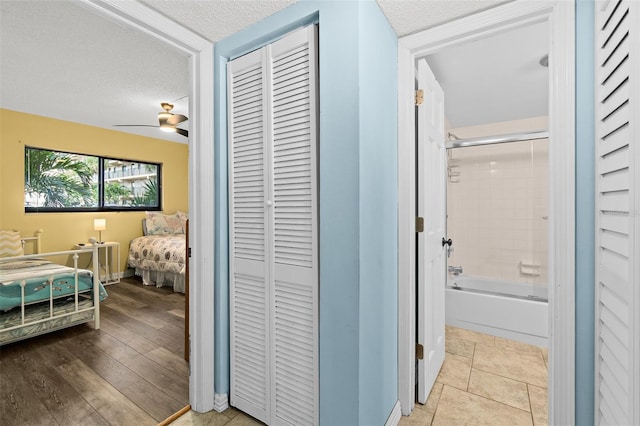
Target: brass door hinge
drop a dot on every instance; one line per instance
(419, 351)
(419, 96)
(419, 224)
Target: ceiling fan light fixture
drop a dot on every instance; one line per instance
(167, 128)
(163, 117)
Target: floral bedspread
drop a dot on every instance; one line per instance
(165, 253)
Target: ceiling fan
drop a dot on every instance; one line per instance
(167, 121)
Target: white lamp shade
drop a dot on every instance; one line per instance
(99, 224)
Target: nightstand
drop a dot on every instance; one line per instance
(111, 251)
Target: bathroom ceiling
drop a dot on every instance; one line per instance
(497, 78)
(62, 60)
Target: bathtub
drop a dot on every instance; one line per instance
(510, 310)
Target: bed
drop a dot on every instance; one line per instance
(160, 255)
(38, 295)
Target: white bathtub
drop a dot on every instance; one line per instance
(510, 310)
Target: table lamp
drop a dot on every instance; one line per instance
(100, 225)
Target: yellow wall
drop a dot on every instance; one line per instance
(63, 230)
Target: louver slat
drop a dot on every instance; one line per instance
(619, 54)
(616, 120)
(615, 201)
(616, 160)
(611, 142)
(617, 365)
(615, 242)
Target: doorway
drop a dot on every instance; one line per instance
(201, 179)
(561, 221)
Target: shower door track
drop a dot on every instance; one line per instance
(530, 297)
(514, 137)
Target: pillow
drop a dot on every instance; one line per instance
(10, 243)
(161, 224)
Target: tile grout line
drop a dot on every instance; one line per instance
(473, 356)
(530, 406)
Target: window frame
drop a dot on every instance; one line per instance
(101, 207)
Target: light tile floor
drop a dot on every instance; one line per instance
(485, 380)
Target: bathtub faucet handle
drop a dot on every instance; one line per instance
(455, 270)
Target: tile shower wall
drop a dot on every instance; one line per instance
(497, 210)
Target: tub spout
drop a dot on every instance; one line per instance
(455, 270)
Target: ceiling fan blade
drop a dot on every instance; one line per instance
(182, 132)
(176, 119)
(133, 125)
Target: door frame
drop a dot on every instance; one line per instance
(561, 17)
(201, 180)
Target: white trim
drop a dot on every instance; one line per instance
(221, 402)
(201, 179)
(477, 26)
(394, 417)
(562, 165)
(406, 233)
(562, 215)
(141, 17)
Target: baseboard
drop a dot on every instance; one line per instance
(127, 273)
(220, 402)
(394, 417)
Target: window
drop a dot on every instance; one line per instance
(56, 181)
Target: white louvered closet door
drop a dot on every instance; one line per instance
(295, 250)
(248, 221)
(288, 220)
(618, 217)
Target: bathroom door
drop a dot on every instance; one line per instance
(431, 253)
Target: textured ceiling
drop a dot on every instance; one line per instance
(62, 60)
(410, 16)
(218, 19)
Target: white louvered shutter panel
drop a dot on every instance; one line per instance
(295, 192)
(249, 288)
(273, 191)
(617, 216)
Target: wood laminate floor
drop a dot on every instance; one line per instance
(130, 372)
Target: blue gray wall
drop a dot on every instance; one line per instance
(585, 211)
(378, 214)
(358, 204)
